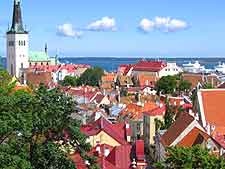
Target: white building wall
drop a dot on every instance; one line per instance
(170, 69)
(17, 53)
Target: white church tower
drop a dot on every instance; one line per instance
(17, 45)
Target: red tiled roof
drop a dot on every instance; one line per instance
(182, 122)
(54, 68)
(116, 131)
(120, 157)
(152, 66)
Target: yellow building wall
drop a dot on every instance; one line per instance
(103, 138)
(149, 128)
(152, 128)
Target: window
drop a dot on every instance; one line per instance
(11, 43)
(24, 43)
(21, 65)
(41, 63)
(11, 69)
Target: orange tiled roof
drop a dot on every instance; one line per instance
(199, 78)
(214, 106)
(22, 87)
(182, 122)
(108, 77)
(192, 137)
(147, 80)
(135, 111)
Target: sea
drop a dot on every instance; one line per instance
(111, 63)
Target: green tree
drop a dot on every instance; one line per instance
(5, 80)
(184, 85)
(207, 86)
(70, 81)
(91, 77)
(31, 126)
(166, 85)
(190, 158)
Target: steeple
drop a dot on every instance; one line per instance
(17, 22)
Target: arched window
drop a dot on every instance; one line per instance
(24, 43)
(19, 43)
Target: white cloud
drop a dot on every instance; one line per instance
(146, 25)
(164, 24)
(67, 30)
(104, 24)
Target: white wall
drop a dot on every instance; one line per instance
(170, 69)
(17, 54)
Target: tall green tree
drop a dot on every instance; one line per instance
(33, 125)
(184, 85)
(91, 77)
(70, 81)
(190, 158)
(5, 80)
(166, 85)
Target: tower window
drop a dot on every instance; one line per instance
(11, 69)
(21, 65)
(24, 43)
(11, 43)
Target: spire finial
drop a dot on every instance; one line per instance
(46, 48)
(17, 2)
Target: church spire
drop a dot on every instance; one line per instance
(17, 22)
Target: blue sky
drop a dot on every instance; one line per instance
(114, 27)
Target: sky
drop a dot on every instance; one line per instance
(121, 27)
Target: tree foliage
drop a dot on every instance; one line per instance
(91, 77)
(33, 125)
(70, 81)
(169, 84)
(190, 158)
(184, 85)
(166, 85)
(207, 86)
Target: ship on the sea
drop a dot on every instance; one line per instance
(220, 68)
(195, 67)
